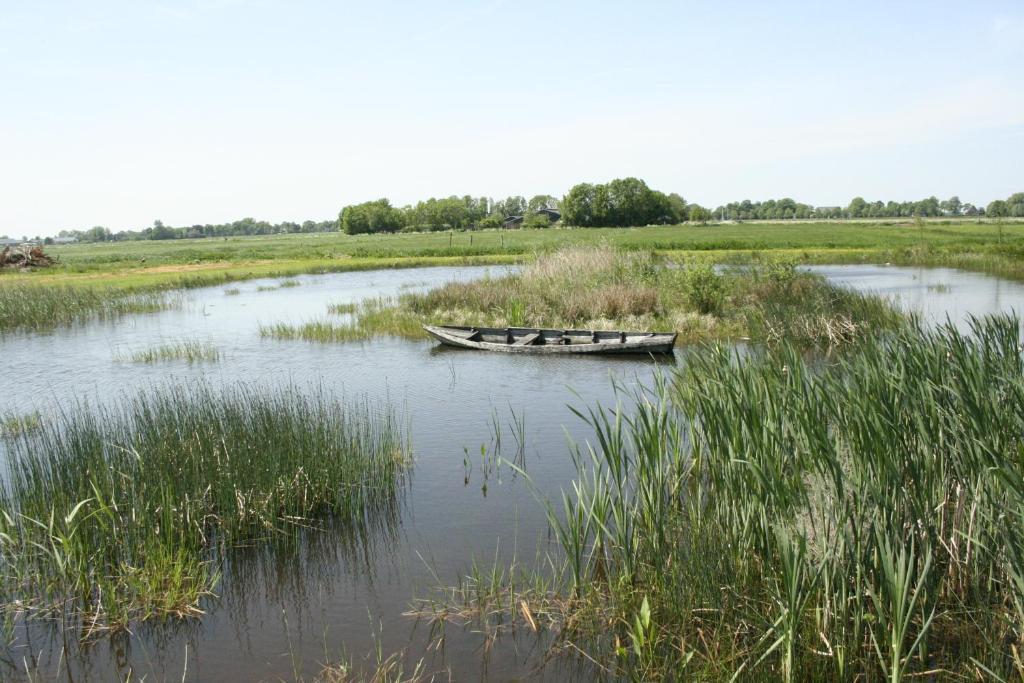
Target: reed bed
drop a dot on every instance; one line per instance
(44, 307)
(125, 513)
(604, 288)
(772, 517)
(322, 331)
(188, 351)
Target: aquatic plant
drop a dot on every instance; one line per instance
(322, 331)
(44, 307)
(343, 308)
(189, 351)
(769, 515)
(128, 512)
(15, 425)
(604, 288)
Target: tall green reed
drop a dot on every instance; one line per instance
(43, 307)
(121, 513)
(791, 517)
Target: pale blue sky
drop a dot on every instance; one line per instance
(118, 113)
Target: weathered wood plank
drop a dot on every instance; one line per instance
(528, 339)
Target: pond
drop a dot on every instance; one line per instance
(283, 617)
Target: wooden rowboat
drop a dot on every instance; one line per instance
(533, 340)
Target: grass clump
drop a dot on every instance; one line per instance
(603, 288)
(16, 425)
(125, 513)
(232, 291)
(343, 308)
(322, 331)
(775, 518)
(188, 351)
(44, 307)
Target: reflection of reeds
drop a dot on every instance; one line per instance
(126, 513)
(189, 351)
(793, 520)
(43, 307)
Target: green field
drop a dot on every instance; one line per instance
(144, 264)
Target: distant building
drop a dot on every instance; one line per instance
(552, 214)
(65, 240)
(5, 242)
(513, 222)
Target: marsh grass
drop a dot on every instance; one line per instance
(321, 331)
(188, 351)
(343, 308)
(771, 516)
(232, 291)
(603, 288)
(15, 425)
(44, 307)
(125, 513)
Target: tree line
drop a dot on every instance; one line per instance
(623, 202)
(783, 209)
(159, 231)
(626, 202)
(445, 213)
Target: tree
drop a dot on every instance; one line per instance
(511, 206)
(159, 231)
(541, 201)
(489, 222)
(98, 234)
(952, 206)
(536, 220)
(996, 209)
(856, 207)
(677, 207)
(368, 217)
(578, 205)
(698, 214)
(1015, 205)
(620, 203)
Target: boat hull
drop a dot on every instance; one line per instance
(547, 341)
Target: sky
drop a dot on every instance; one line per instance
(207, 111)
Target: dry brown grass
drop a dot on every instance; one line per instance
(598, 287)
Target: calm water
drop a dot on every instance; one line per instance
(282, 617)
